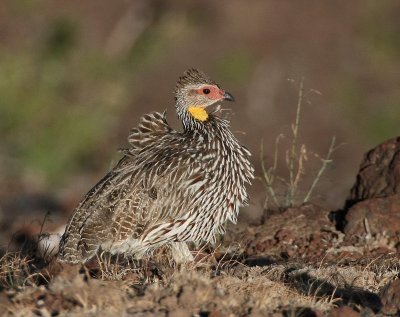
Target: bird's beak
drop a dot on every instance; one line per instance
(228, 97)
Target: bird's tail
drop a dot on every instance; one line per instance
(74, 249)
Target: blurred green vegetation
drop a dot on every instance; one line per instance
(376, 120)
(380, 29)
(149, 49)
(60, 99)
(235, 67)
(55, 108)
(59, 102)
(372, 98)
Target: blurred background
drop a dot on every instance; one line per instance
(75, 76)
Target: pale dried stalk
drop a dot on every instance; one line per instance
(327, 160)
(268, 175)
(301, 169)
(295, 158)
(293, 150)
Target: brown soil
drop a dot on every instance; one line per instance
(294, 263)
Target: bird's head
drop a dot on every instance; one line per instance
(195, 91)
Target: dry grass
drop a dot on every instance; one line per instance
(16, 271)
(282, 192)
(119, 286)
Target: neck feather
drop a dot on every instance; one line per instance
(193, 118)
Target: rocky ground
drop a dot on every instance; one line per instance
(304, 261)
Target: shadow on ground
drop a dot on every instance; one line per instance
(349, 295)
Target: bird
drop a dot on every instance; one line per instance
(171, 187)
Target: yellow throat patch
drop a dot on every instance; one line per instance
(198, 113)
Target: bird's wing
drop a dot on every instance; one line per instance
(158, 178)
(151, 127)
(154, 182)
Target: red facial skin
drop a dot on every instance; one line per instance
(214, 94)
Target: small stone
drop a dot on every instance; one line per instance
(40, 303)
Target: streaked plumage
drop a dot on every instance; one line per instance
(171, 187)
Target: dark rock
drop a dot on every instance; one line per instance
(374, 216)
(373, 204)
(304, 231)
(390, 298)
(379, 174)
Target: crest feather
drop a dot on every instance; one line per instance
(193, 76)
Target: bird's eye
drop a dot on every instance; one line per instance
(206, 91)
